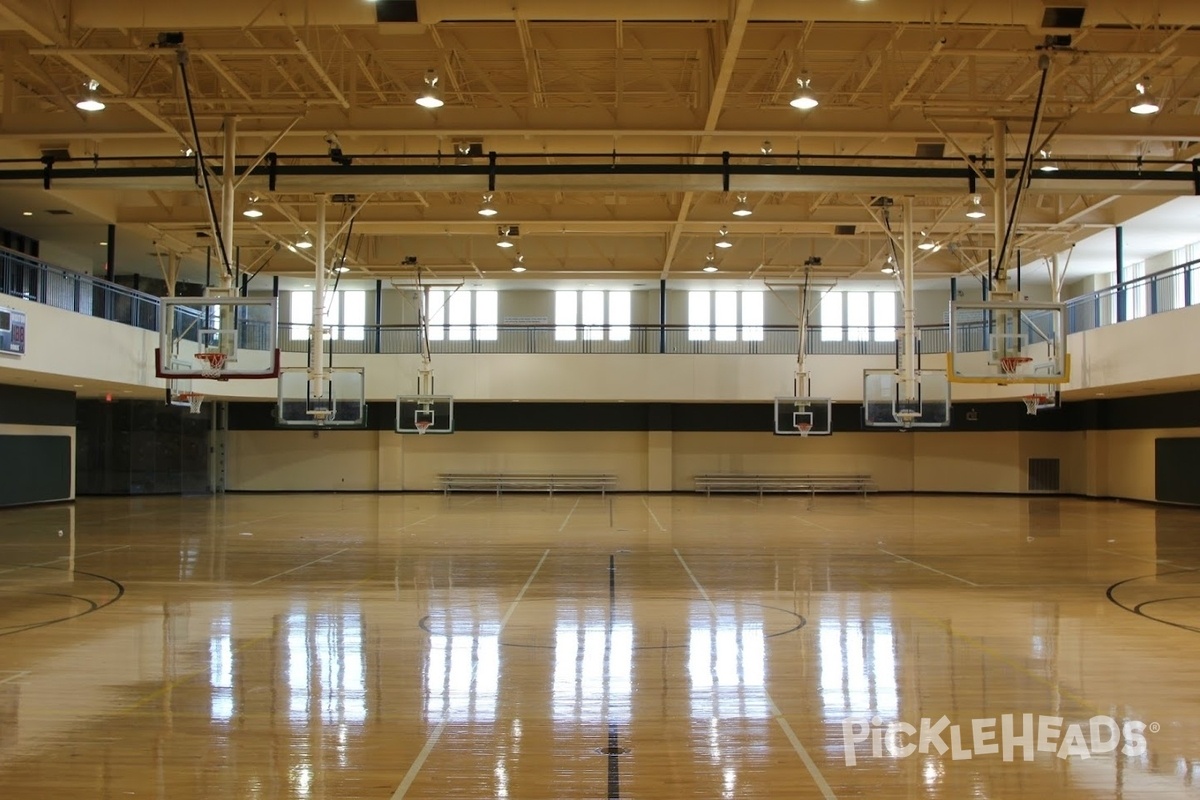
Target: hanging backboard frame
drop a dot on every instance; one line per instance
(884, 407)
(425, 413)
(338, 401)
(1008, 343)
(791, 413)
(219, 338)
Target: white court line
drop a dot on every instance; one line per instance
(569, 513)
(656, 522)
(931, 569)
(411, 775)
(414, 524)
(1136, 558)
(302, 566)
(805, 758)
(93, 553)
(13, 677)
(810, 522)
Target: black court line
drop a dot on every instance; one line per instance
(1138, 608)
(614, 743)
(614, 767)
(93, 607)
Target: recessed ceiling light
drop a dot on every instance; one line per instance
(104, 244)
(26, 213)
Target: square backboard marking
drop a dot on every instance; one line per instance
(218, 338)
(792, 412)
(340, 403)
(422, 414)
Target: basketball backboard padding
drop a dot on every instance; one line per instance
(337, 399)
(424, 414)
(814, 411)
(1008, 343)
(886, 404)
(238, 332)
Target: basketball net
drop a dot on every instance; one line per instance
(1032, 402)
(194, 401)
(1009, 364)
(212, 364)
(423, 425)
(804, 428)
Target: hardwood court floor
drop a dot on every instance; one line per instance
(362, 646)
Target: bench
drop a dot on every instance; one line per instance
(762, 484)
(526, 482)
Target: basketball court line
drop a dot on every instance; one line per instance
(810, 522)
(414, 524)
(302, 566)
(14, 676)
(430, 743)
(62, 558)
(1137, 558)
(805, 758)
(652, 516)
(569, 513)
(931, 569)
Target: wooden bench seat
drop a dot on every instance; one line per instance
(500, 482)
(762, 484)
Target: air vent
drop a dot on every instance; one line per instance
(396, 11)
(1063, 17)
(843, 230)
(1044, 475)
(931, 149)
(60, 212)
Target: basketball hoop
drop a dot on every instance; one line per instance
(804, 428)
(1035, 401)
(1009, 364)
(423, 425)
(193, 399)
(213, 364)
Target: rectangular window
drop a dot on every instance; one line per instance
(435, 313)
(699, 316)
(620, 314)
(831, 317)
(858, 316)
(566, 316)
(300, 312)
(354, 315)
(458, 313)
(487, 315)
(725, 317)
(332, 316)
(885, 316)
(1136, 295)
(593, 314)
(752, 316)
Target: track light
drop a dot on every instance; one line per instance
(804, 98)
(1048, 166)
(742, 209)
(519, 263)
(1144, 103)
(723, 241)
(91, 101)
(766, 149)
(976, 210)
(486, 209)
(710, 263)
(253, 211)
(432, 96)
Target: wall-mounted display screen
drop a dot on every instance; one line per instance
(12, 332)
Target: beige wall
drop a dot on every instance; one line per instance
(647, 461)
(1124, 460)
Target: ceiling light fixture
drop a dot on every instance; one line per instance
(519, 264)
(91, 101)
(505, 239)
(26, 213)
(723, 241)
(432, 96)
(1048, 166)
(804, 98)
(304, 243)
(486, 209)
(710, 263)
(1144, 103)
(253, 211)
(976, 210)
(742, 209)
(889, 266)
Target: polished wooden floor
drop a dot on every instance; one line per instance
(363, 646)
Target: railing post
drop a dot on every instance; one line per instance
(662, 315)
(378, 316)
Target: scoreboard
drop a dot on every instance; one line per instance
(12, 332)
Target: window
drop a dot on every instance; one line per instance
(348, 309)
(597, 311)
(454, 315)
(1136, 296)
(725, 316)
(855, 315)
